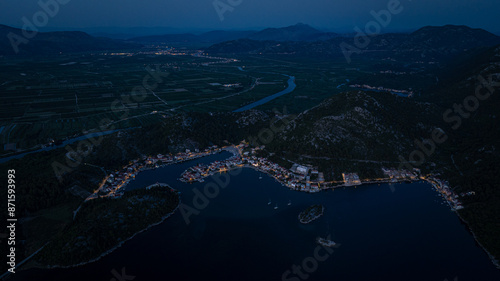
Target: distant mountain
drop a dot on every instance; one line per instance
(167, 38)
(242, 46)
(448, 39)
(115, 31)
(45, 43)
(119, 36)
(222, 35)
(428, 43)
(298, 32)
(211, 37)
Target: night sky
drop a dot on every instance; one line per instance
(188, 15)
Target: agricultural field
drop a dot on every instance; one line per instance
(57, 97)
(54, 98)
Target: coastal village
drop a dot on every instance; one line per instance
(114, 183)
(447, 193)
(304, 178)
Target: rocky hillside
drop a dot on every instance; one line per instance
(359, 125)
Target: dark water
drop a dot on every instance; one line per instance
(289, 89)
(398, 232)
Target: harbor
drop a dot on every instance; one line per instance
(403, 226)
(303, 178)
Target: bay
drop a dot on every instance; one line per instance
(386, 232)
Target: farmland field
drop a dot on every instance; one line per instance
(57, 97)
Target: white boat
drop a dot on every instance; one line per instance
(276, 207)
(269, 203)
(289, 202)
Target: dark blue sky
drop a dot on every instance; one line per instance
(337, 15)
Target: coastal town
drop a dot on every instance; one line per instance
(113, 184)
(447, 193)
(299, 177)
(304, 178)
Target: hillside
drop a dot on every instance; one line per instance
(46, 43)
(353, 128)
(362, 132)
(475, 141)
(426, 44)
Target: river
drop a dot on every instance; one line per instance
(64, 143)
(398, 232)
(289, 89)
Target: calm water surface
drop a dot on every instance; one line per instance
(398, 232)
(289, 89)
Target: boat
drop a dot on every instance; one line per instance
(269, 203)
(276, 207)
(325, 242)
(260, 177)
(289, 202)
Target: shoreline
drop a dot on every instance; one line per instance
(493, 260)
(115, 247)
(131, 175)
(324, 188)
(453, 207)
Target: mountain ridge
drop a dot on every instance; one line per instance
(15, 42)
(297, 32)
(429, 43)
